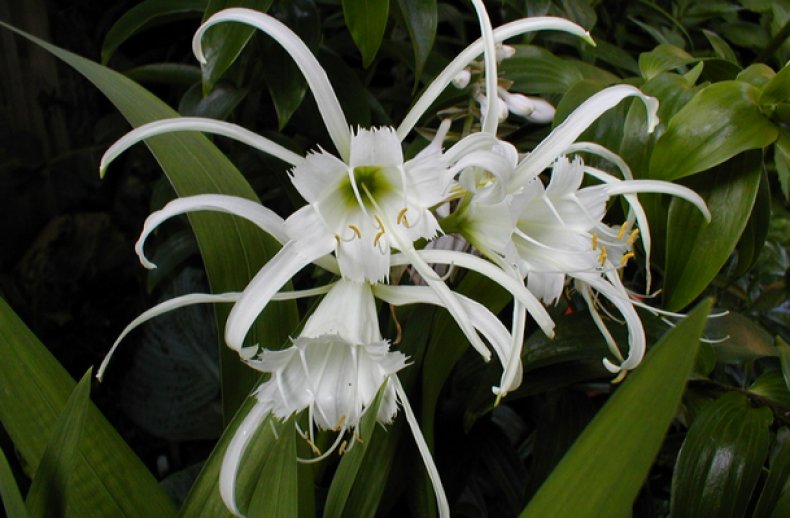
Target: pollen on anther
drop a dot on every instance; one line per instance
(356, 230)
(402, 217)
(595, 241)
(313, 447)
(624, 259)
(377, 238)
(632, 238)
(342, 448)
(602, 256)
(339, 423)
(380, 223)
(622, 230)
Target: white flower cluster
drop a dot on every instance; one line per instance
(365, 208)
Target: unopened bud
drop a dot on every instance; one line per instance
(543, 112)
(504, 52)
(461, 79)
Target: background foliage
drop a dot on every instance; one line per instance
(69, 273)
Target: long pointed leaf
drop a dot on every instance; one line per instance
(35, 388)
(48, 495)
(9, 491)
(601, 474)
(232, 249)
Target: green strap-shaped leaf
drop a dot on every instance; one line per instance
(536, 70)
(784, 359)
(720, 460)
(777, 90)
(147, 14)
(602, 473)
(13, 504)
(233, 250)
(366, 20)
(223, 43)
(720, 122)
(696, 250)
(421, 18)
(35, 388)
(49, 493)
(778, 480)
(276, 493)
(346, 473)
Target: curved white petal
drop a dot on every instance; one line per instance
(483, 267)
(235, 452)
(490, 117)
(291, 258)
(473, 51)
(574, 125)
(216, 127)
(660, 187)
(164, 307)
(253, 211)
(481, 318)
(317, 80)
(425, 452)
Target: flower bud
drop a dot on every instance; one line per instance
(461, 80)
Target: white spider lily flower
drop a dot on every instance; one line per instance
(560, 234)
(334, 370)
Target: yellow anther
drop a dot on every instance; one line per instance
(339, 423)
(633, 236)
(620, 377)
(358, 438)
(623, 228)
(337, 238)
(378, 220)
(356, 230)
(402, 217)
(313, 447)
(378, 236)
(595, 241)
(602, 255)
(342, 449)
(624, 259)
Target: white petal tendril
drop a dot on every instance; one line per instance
(225, 129)
(196, 298)
(425, 452)
(491, 117)
(473, 51)
(317, 80)
(574, 125)
(660, 187)
(235, 452)
(483, 267)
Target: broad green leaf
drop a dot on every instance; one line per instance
(696, 250)
(663, 58)
(784, 359)
(778, 480)
(366, 20)
(536, 70)
(223, 43)
(758, 74)
(144, 15)
(346, 475)
(276, 493)
(49, 494)
(771, 385)
(13, 504)
(753, 238)
(35, 389)
(218, 104)
(233, 250)
(746, 340)
(782, 161)
(421, 18)
(720, 460)
(720, 46)
(777, 90)
(603, 471)
(718, 123)
(176, 74)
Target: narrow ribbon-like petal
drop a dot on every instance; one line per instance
(256, 213)
(473, 51)
(317, 80)
(660, 187)
(574, 125)
(490, 118)
(293, 256)
(225, 129)
(235, 452)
